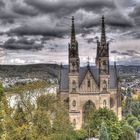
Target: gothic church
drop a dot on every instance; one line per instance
(90, 87)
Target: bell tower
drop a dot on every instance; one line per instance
(74, 61)
(74, 64)
(102, 58)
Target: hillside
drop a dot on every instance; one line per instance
(39, 71)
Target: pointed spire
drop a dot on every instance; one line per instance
(73, 31)
(88, 62)
(103, 35)
(115, 65)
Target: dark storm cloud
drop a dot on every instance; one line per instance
(63, 7)
(91, 40)
(115, 52)
(22, 44)
(136, 11)
(39, 30)
(118, 19)
(2, 4)
(23, 9)
(127, 52)
(7, 17)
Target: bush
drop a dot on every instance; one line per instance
(139, 117)
(138, 129)
(135, 124)
(127, 133)
(81, 134)
(131, 119)
(112, 124)
(129, 115)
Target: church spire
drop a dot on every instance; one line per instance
(103, 34)
(74, 61)
(73, 38)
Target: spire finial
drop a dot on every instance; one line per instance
(72, 30)
(88, 61)
(115, 65)
(103, 35)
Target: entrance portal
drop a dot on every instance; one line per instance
(88, 110)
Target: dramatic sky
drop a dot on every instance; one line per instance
(38, 31)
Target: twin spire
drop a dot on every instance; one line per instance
(103, 34)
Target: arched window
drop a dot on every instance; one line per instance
(104, 85)
(88, 109)
(74, 103)
(73, 86)
(74, 122)
(104, 103)
(88, 83)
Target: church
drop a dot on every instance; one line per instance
(90, 87)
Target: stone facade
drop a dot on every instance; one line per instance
(89, 87)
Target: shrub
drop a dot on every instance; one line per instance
(131, 119)
(81, 134)
(138, 129)
(127, 133)
(139, 117)
(135, 124)
(112, 124)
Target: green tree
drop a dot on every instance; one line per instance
(128, 103)
(3, 104)
(135, 108)
(103, 132)
(127, 133)
(112, 124)
(81, 134)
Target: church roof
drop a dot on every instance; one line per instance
(64, 85)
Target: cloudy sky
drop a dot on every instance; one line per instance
(38, 31)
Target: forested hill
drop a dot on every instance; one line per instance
(45, 71)
(40, 71)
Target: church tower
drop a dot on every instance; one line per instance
(73, 61)
(102, 59)
(74, 64)
(89, 88)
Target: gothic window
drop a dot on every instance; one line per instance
(73, 86)
(88, 109)
(74, 103)
(104, 103)
(73, 67)
(104, 85)
(104, 66)
(74, 122)
(88, 83)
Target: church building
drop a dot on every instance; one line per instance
(90, 87)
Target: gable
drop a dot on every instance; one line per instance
(89, 84)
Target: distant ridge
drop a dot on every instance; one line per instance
(40, 71)
(47, 71)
